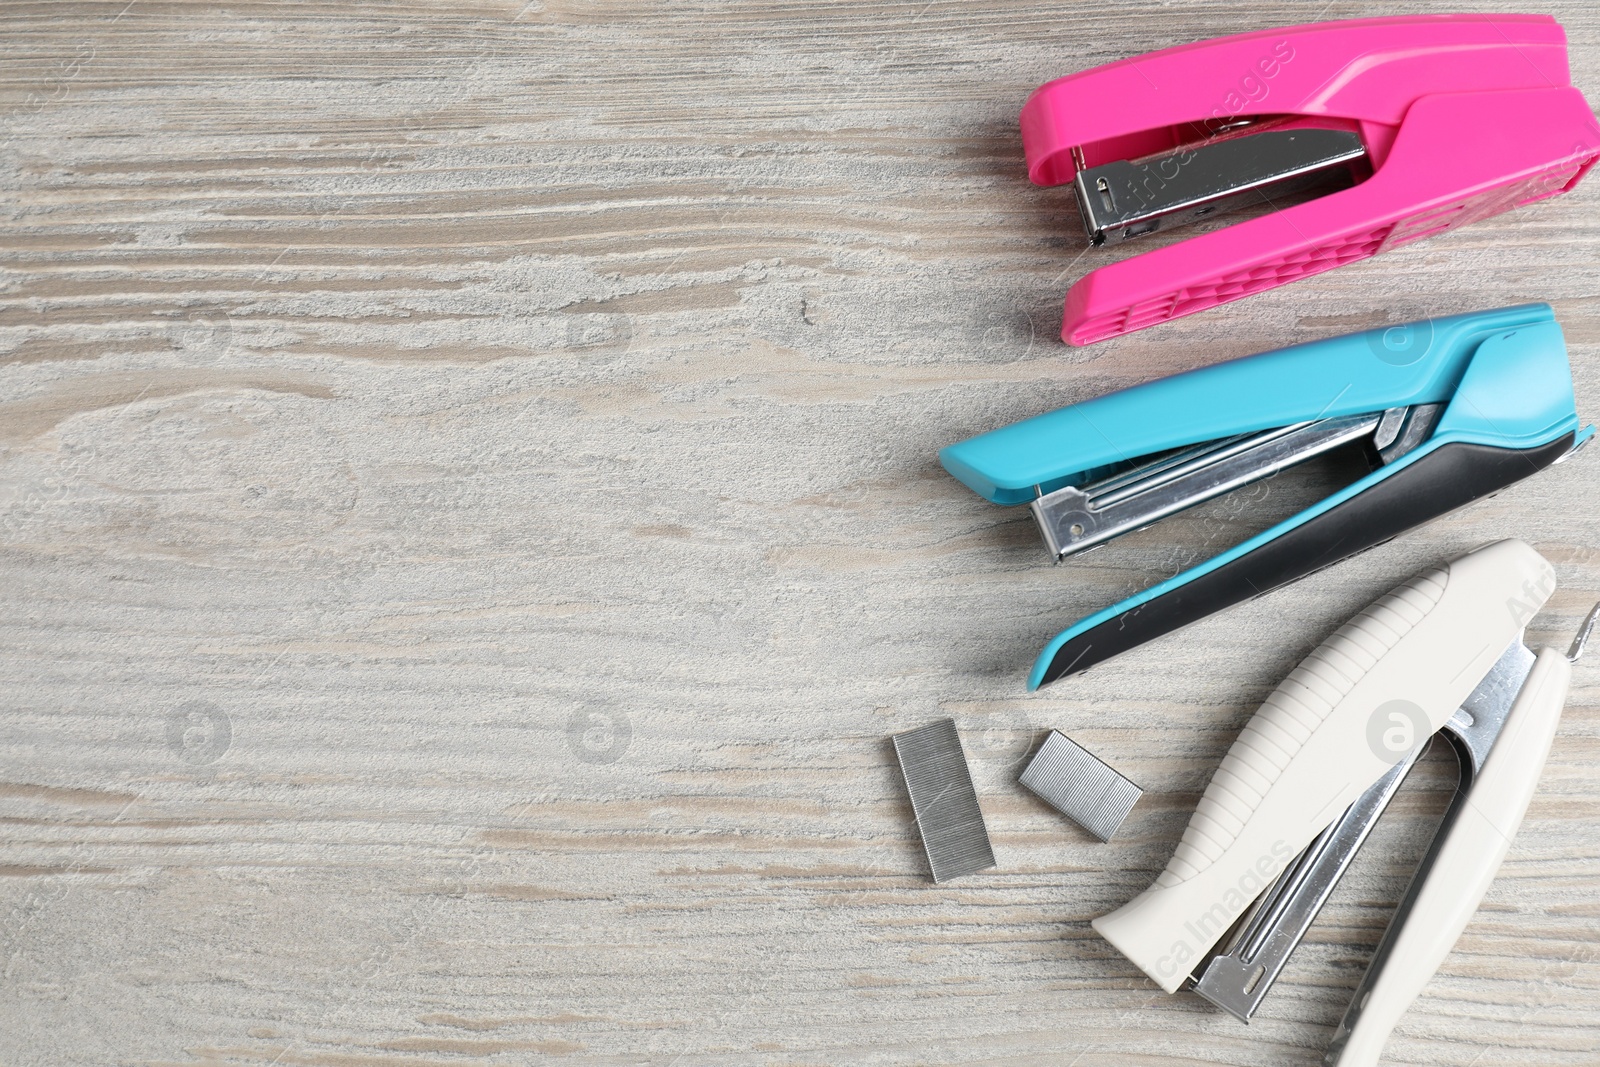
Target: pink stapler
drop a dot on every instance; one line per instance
(1417, 124)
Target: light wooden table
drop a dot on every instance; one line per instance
(471, 522)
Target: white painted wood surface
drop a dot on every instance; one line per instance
(469, 523)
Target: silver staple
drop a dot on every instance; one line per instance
(1082, 787)
(945, 803)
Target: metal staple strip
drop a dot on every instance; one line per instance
(944, 800)
(1081, 786)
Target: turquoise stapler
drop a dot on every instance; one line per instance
(1446, 410)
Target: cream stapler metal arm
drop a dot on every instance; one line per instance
(1314, 769)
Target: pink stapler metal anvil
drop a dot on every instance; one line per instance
(1418, 124)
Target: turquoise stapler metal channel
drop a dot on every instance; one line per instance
(1447, 410)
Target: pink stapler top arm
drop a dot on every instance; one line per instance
(1370, 70)
(1365, 74)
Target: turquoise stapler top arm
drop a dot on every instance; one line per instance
(1394, 366)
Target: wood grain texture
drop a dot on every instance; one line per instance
(469, 523)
